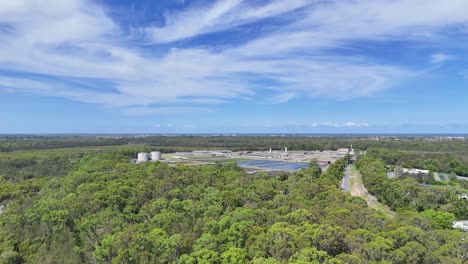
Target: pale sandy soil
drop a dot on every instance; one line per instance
(358, 189)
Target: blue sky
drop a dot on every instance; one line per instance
(234, 66)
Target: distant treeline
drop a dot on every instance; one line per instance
(37, 143)
(236, 143)
(435, 162)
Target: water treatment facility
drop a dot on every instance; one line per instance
(252, 161)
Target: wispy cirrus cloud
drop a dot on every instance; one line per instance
(172, 110)
(77, 48)
(348, 124)
(282, 98)
(221, 15)
(355, 124)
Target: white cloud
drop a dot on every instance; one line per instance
(354, 124)
(139, 111)
(330, 124)
(222, 15)
(282, 98)
(192, 22)
(440, 58)
(345, 125)
(331, 24)
(72, 45)
(20, 84)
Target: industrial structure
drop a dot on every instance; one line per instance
(145, 157)
(155, 155)
(343, 151)
(267, 160)
(142, 157)
(415, 171)
(212, 152)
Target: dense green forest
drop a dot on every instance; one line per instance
(408, 194)
(81, 206)
(435, 163)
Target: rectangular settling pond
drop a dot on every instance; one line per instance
(273, 165)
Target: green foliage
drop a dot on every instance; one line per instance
(441, 220)
(408, 194)
(309, 255)
(234, 256)
(24, 167)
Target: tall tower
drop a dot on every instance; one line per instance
(286, 150)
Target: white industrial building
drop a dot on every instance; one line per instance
(142, 157)
(415, 171)
(343, 151)
(155, 155)
(212, 152)
(145, 157)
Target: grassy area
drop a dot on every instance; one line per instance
(443, 177)
(99, 149)
(358, 189)
(383, 208)
(352, 181)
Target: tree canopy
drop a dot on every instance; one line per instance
(101, 208)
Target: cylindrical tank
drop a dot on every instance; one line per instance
(142, 157)
(156, 155)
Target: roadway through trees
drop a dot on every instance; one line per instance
(357, 188)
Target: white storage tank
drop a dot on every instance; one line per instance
(156, 155)
(142, 157)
